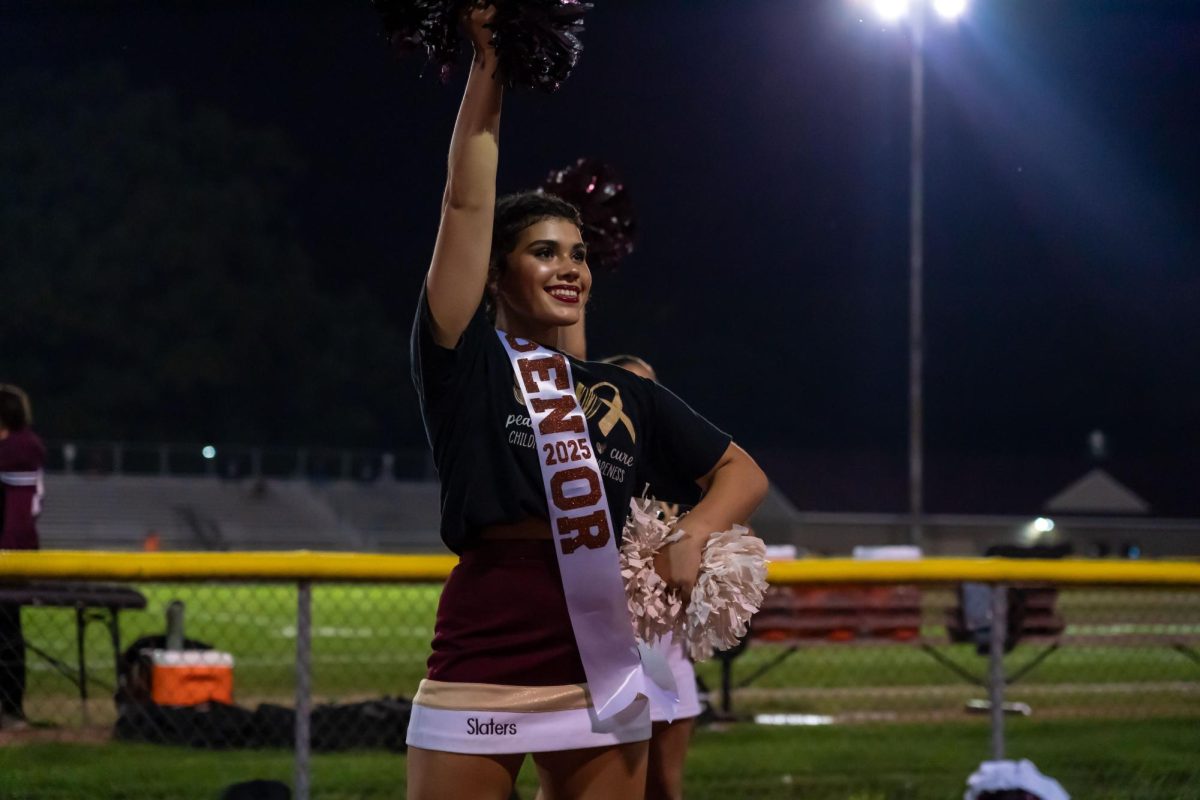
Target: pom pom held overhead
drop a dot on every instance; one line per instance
(537, 41)
(428, 27)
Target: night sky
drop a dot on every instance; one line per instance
(765, 143)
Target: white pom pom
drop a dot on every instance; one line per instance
(728, 591)
(655, 610)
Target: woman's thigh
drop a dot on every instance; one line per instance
(597, 773)
(668, 751)
(433, 775)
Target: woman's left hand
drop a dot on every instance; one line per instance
(679, 562)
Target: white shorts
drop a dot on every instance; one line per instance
(685, 684)
(487, 719)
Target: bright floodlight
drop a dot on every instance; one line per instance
(1043, 525)
(950, 9)
(891, 9)
(209, 452)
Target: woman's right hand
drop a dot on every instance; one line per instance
(475, 20)
(458, 272)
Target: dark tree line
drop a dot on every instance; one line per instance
(154, 285)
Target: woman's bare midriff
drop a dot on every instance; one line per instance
(528, 528)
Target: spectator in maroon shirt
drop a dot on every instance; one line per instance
(22, 457)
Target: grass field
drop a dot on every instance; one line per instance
(371, 640)
(1147, 760)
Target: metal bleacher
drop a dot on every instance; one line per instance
(205, 512)
(390, 516)
(118, 512)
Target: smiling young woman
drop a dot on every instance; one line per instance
(538, 455)
(538, 277)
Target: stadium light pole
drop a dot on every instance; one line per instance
(916, 12)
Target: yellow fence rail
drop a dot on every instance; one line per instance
(322, 566)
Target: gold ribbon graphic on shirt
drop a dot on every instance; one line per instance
(591, 400)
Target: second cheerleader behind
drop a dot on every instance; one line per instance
(538, 456)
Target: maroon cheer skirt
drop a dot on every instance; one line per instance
(503, 619)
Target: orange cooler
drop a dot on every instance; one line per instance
(190, 677)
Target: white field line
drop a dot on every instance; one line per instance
(1183, 687)
(283, 661)
(318, 631)
(1123, 629)
(330, 632)
(265, 621)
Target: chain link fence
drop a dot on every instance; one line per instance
(212, 667)
(906, 654)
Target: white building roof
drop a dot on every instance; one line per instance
(1097, 492)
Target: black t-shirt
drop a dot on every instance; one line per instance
(484, 446)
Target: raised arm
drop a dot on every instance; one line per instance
(458, 273)
(733, 490)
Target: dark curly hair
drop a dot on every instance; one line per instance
(15, 413)
(516, 212)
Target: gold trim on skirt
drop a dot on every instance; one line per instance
(493, 697)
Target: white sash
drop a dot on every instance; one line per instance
(34, 478)
(585, 537)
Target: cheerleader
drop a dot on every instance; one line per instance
(538, 455)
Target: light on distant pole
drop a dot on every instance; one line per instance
(891, 10)
(915, 11)
(950, 9)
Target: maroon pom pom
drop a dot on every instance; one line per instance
(604, 206)
(429, 27)
(538, 41)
